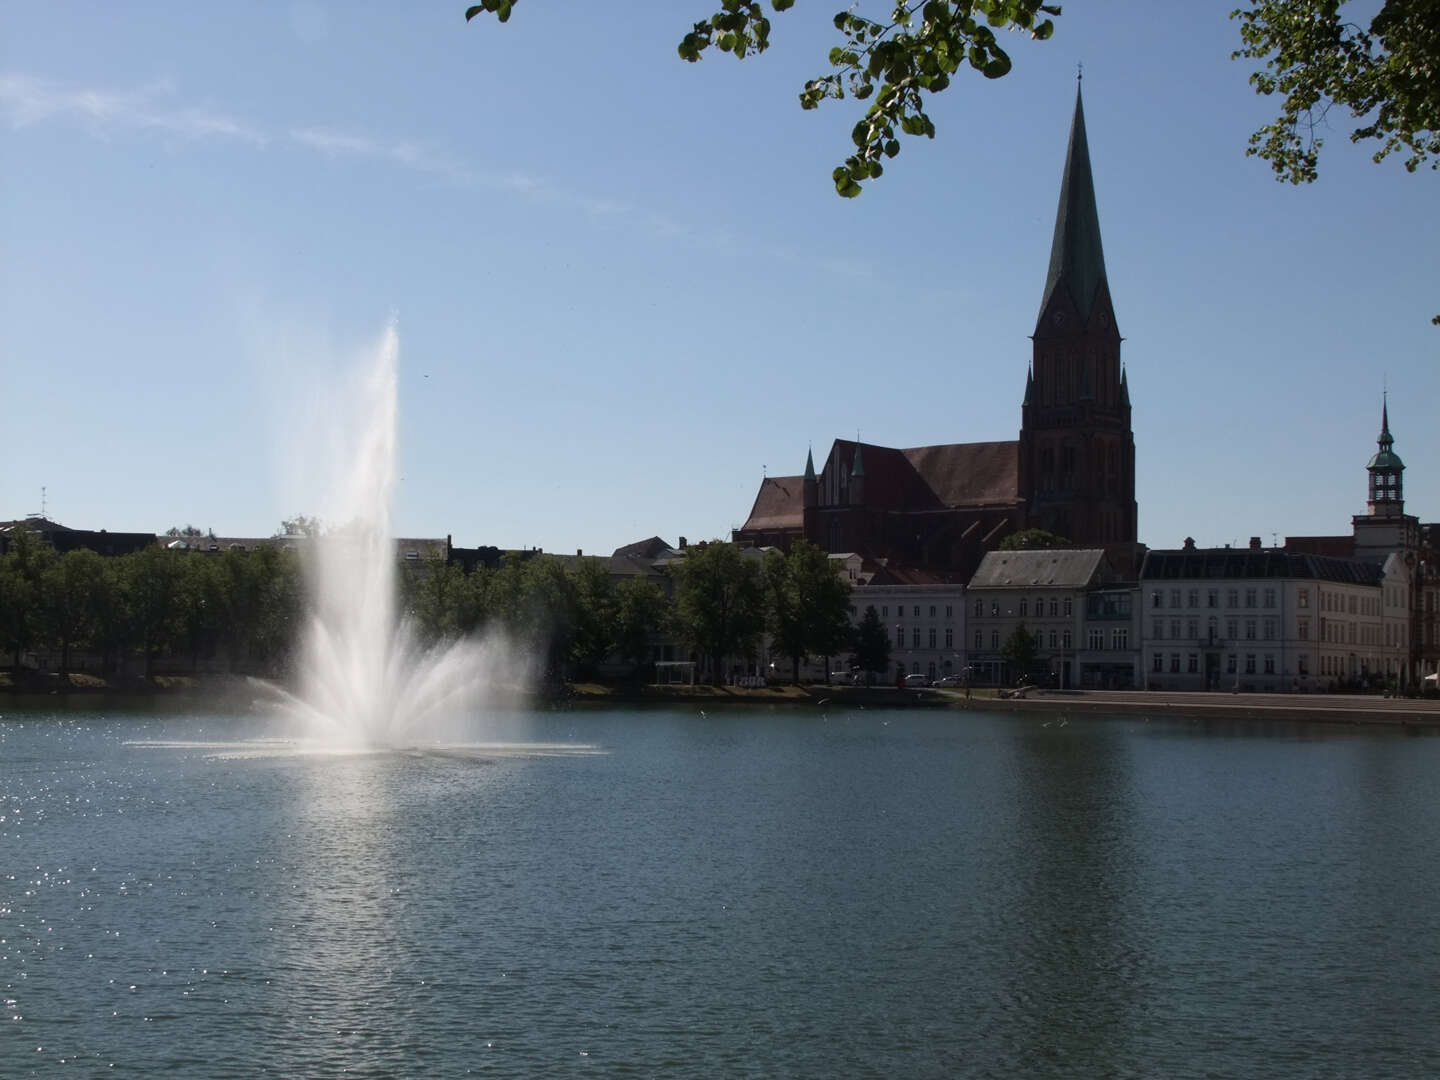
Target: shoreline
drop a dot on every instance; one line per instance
(1347, 709)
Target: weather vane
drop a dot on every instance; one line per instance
(1080, 71)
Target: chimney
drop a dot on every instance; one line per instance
(1189, 543)
(682, 543)
(579, 552)
(1254, 543)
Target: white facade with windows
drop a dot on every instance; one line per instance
(1264, 619)
(926, 624)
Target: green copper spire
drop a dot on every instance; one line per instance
(1076, 257)
(857, 467)
(1386, 458)
(809, 467)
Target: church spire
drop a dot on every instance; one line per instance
(1386, 440)
(1076, 256)
(809, 467)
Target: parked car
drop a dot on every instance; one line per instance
(917, 679)
(951, 680)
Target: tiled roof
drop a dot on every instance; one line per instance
(1237, 563)
(644, 549)
(780, 504)
(969, 474)
(1022, 569)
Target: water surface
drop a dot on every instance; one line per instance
(666, 893)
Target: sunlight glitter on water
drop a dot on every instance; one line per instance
(279, 748)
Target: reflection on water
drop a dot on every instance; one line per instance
(887, 894)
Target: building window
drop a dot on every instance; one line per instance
(1096, 638)
(899, 637)
(1249, 597)
(1192, 663)
(994, 639)
(932, 611)
(979, 640)
(1302, 598)
(915, 638)
(995, 608)
(1250, 663)
(885, 611)
(932, 637)
(1304, 665)
(1230, 664)
(979, 608)
(1158, 629)
(1269, 663)
(1054, 608)
(916, 612)
(1269, 629)
(1302, 629)
(1232, 597)
(1174, 598)
(1212, 598)
(1052, 639)
(1120, 637)
(1270, 598)
(1192, 628)
(1068, 609)
(1157, 599)
(1175, 662)
(1157, 661)
(949, 638)
(949, 611)
(1175, 629)
(1024, 607)
(1249, 629)
(1230, 629)
(1193, 598)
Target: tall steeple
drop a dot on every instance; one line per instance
(1077, 450)
(1077, 259)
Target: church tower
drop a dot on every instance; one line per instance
(1077, 450)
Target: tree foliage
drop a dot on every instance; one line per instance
(808, 604)
(896, 62)
(719, 601)
(1019, 649)
(1386, 74)
(872, 642)
(1036, 539)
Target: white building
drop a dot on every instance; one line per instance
(1265, 619)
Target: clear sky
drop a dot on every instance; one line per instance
(624, 286)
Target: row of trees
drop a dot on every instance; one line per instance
(247, 607)
(725, 604)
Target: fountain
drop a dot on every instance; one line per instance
(365, 681)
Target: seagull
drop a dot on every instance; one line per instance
(703, 716)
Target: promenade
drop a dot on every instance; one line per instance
(1322, 708)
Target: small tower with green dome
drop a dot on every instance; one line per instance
(1387, 494)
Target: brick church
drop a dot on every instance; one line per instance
(1071, 472)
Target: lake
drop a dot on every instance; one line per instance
(753, 892)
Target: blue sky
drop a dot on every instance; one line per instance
(623, 284)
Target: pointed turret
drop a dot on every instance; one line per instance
(1124, 389)
(811, 489)
(857, 477)
(1029, 387)
(1077, 259)
(1387, 496)
(857, 466)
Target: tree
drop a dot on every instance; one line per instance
(22, 593)
(186, 530)
(719, 602)
(1019, 649)
(898, 62)
(872, 643)
(1387, 75)
(594, 595)
(809, 605)
(151, 583)
(299, 525)
(639, 614)
(73, 588)
(1037, 539)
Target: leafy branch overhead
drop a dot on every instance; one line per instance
(895, 63)
(1388, 76)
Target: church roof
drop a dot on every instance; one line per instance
(1076, 256)
(779, 504)
(969, 474)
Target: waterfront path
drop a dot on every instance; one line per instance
(1327, 708)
